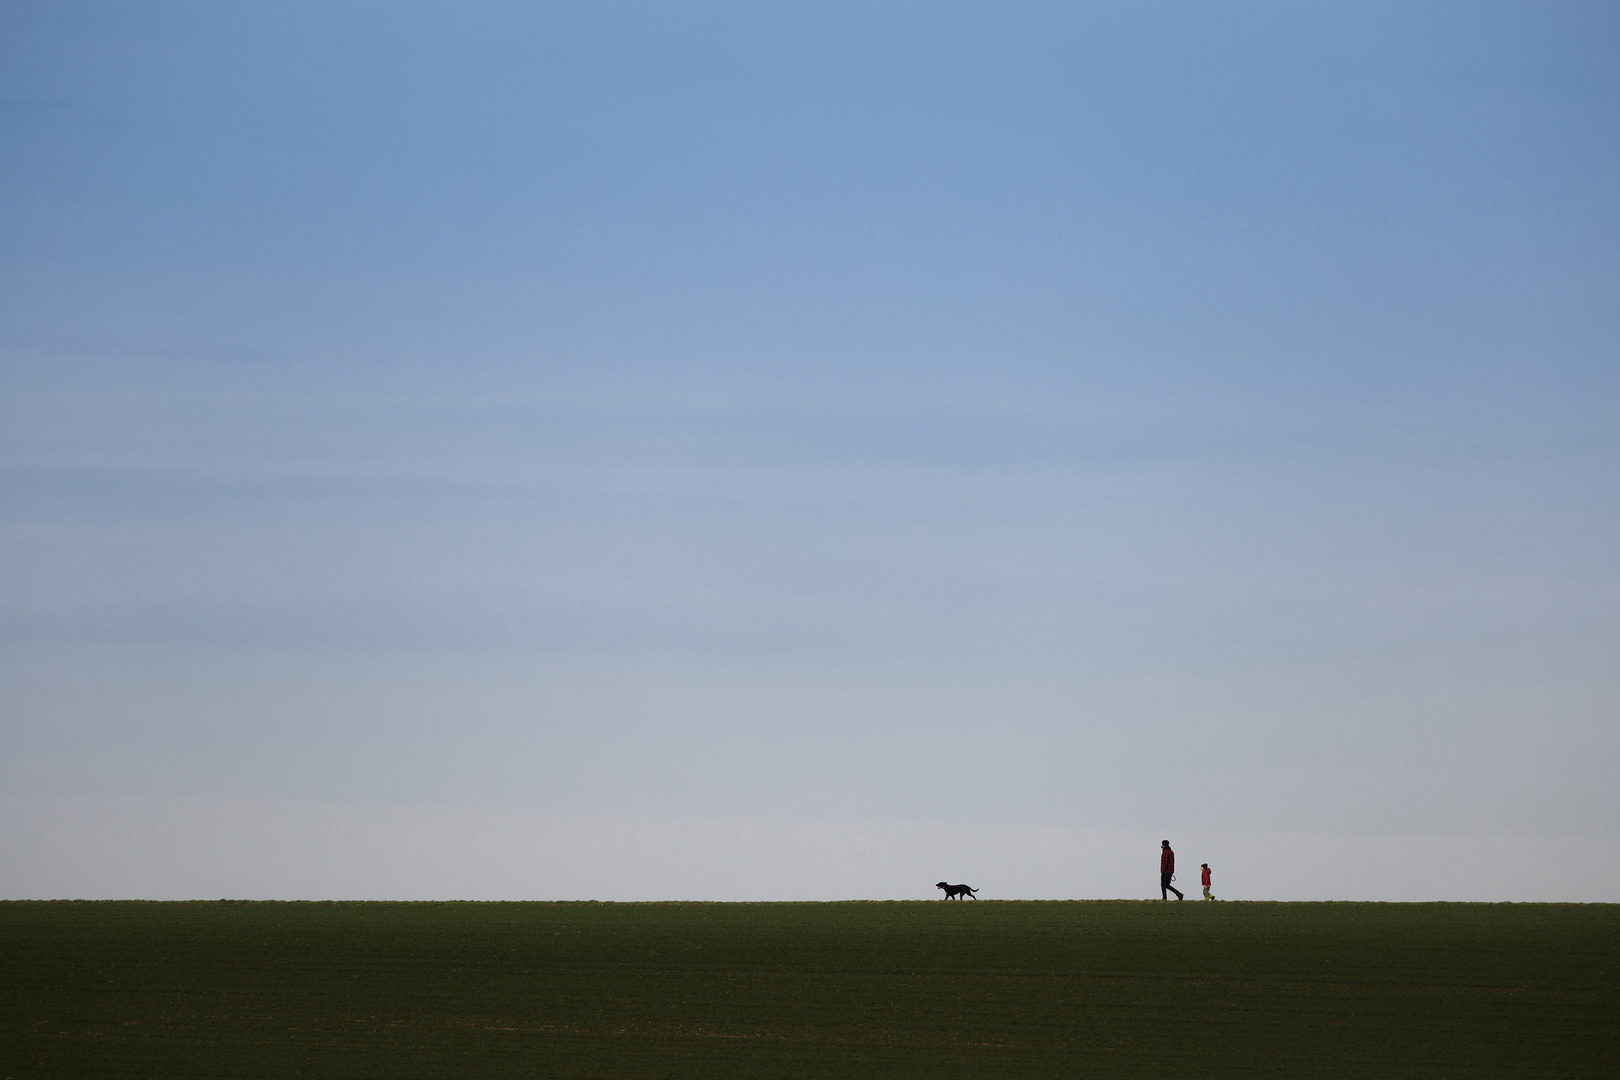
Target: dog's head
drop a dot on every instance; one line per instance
(942, 885)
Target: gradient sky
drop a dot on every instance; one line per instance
(807, 451)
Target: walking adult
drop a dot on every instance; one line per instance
(1167, 872)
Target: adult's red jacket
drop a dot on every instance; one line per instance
(1167, 861)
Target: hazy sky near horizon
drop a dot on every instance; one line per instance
(756, 451)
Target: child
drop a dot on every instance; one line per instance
(1207, 894)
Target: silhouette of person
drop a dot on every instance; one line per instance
(1167, 872)
(1207, 894)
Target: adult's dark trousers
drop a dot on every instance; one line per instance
(1165, 888)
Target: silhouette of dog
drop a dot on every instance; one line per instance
(957, 892)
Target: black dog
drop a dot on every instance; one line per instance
(957, 892)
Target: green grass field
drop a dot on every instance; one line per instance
(926, 988)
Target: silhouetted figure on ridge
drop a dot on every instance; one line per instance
(1167, 872)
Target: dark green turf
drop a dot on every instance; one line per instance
(936, 988)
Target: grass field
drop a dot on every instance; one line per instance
(901, 989)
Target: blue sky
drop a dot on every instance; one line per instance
(809, 451)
